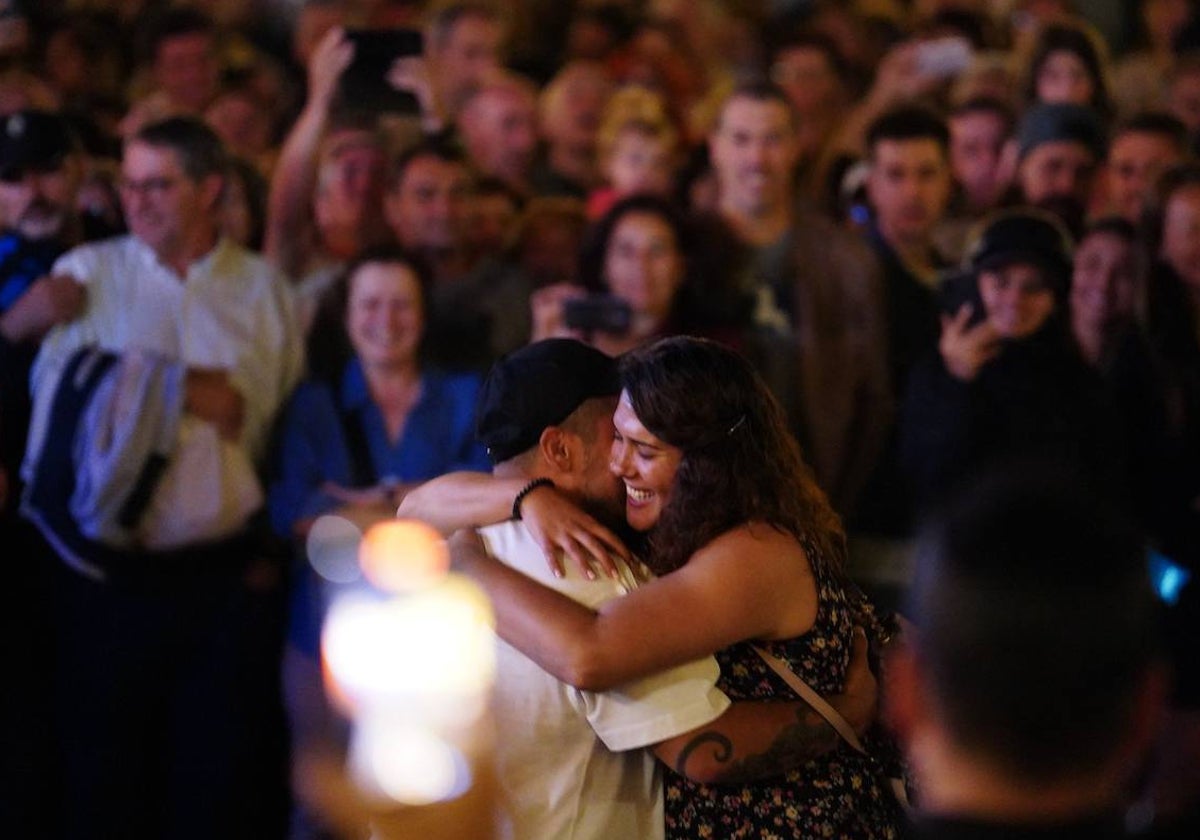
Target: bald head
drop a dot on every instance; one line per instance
(498, 125)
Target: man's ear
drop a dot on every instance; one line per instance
(556, 447)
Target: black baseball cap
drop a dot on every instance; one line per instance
(1024, 235)
(33, 140)
(1058, 122)
(537, 386)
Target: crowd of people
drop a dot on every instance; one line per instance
(258, 259)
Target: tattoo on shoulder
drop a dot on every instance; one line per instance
(794, 745)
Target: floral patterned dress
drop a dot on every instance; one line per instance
(839, 795)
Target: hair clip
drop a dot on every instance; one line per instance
(740, 421)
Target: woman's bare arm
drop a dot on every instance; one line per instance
(751, 583)
(760, 739)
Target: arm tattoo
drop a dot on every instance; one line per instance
(722, 749)
(810, 736)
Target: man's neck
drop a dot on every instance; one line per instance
(67, 235)
(35, 241)
(71, 233)
(516, 181)
(761, 227)
(447, 264)
(509, 469)
(916, 253)
(342, 243)
(189, 251)
(955, 784)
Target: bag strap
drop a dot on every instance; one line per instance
(831, 715)
(810, 696)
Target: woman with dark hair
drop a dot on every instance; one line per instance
(735, 461)
(751, 554)
(1007, 380)
(1107, 293)
(748, 552)
(1108, 312)
(1173, 239)
(372, 419)
(638, 254)
(1068, 65)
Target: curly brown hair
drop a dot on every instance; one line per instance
(740, 464)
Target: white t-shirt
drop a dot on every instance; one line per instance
(569, 761)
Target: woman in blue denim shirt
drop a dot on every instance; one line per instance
(371, 420)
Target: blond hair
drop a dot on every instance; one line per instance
(639, 109)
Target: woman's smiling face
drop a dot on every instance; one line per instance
(643, 264)
(384, 319)
(1016, 298)
(646, 464)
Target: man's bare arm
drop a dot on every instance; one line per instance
(461, 500)
(467, 500)
(757, 740)
(51, 300)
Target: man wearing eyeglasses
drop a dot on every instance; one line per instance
(164, 652)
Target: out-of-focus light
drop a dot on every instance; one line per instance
(403, 556)
(411, 660)
(407, 764)
(429, 654)
(333, 549)
(1167, 577)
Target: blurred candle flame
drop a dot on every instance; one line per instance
(403, 555)
(412, 663)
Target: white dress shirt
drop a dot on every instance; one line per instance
(232, 312)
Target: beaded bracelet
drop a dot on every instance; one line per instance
(525, 491)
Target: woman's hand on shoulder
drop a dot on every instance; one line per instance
(562, 529)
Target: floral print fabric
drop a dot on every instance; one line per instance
(841, 794)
